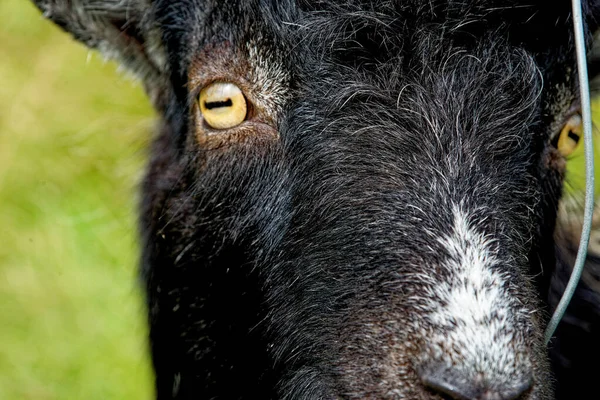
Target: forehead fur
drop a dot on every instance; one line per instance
(530, 22)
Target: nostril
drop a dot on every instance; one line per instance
(447, 381)
(457, 385)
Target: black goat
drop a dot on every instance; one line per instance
(355, 199)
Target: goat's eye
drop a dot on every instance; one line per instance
(570, 135)
(223, 105)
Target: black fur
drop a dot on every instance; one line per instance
(300, 255)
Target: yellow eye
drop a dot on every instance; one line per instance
(223, 105)
(570, 135)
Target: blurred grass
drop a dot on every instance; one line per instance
(73, 138)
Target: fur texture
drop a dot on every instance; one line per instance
(383, 223)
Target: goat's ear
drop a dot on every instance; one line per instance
(123, 30)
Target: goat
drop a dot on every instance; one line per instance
(355, 199)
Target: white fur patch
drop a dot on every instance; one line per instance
(269, 77)
(472, 313)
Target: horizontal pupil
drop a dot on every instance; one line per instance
(574, 136)
(216, 104)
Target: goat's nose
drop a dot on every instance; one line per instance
(454, 383)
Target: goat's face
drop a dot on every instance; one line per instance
(377, 221)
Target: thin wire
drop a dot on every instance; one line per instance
(589, 171)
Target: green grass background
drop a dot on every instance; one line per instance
(73, 140)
